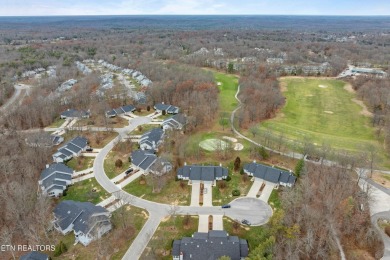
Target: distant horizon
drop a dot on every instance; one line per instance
(30, 8)
(123, 15)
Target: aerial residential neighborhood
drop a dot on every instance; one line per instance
(195, 130)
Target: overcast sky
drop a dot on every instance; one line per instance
(167, 7)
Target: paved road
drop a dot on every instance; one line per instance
(18, 90)
(385, 238)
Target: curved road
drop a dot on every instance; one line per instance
(18, 90)
(385, 238)
(256, 211)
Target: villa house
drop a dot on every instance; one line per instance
(72, 149)
(169, 109)
(202, 173)
(74, 114)
(87, 221)
(270, 174)
(177, 122)
(211, 245)
(124, 110)
(54, 179)
(151, 139)
(147, 161)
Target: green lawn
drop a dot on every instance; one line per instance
(224, 196)
(80, 163)
(109, 164)
(228, 89)
(57, 123)
(82, 191)
(254, 235)
(160, 245)
(323, 114)
(172, 192)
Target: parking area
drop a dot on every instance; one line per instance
(256, 211)
(208, 194)
(255, 188)
(266, 192)
(195, 192)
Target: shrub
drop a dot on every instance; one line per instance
(148, 108)
(222, 185)
(60, 248)
(118, 163)
(263, 153)
(237, 164)
(245, 177)
(164, 112)
(228, 178)
(236, 193)
(299, 167)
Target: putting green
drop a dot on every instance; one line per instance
(213, 144)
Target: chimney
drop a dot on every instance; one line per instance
(220, 164)
(181, 256)
(47, 166)
(185, 163)
(162, 103)
(254, 161)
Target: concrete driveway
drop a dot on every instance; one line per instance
(256, 211)
(208, 196)
(217, 222)
(268, 188)
(195, 192)
(203, 223)
(255, 188)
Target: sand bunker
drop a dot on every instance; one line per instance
(238, 147)
(328, 112)
(219, 83)
(309, 95)
(322, 86)
(231, 139)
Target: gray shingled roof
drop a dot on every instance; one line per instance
(269, 173)
(211, 245)
(120, 110)
(78, 213)
(75, 145)
(168, 108)
(143, 159)
(75, 113)
(34, 255)
(153, 136)
(204, 173)
(175, 120)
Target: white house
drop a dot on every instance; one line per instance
(151, 139)
(72, 149)
(177, 122)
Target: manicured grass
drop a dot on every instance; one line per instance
(253, 234)
(224, 196)
(228, 89)
(114, 244)
(57, 123)
(170, 193)
(323, 114)
(109, 163)
(160, 245)
(82, 191)
(274, 199)
(80, 163)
